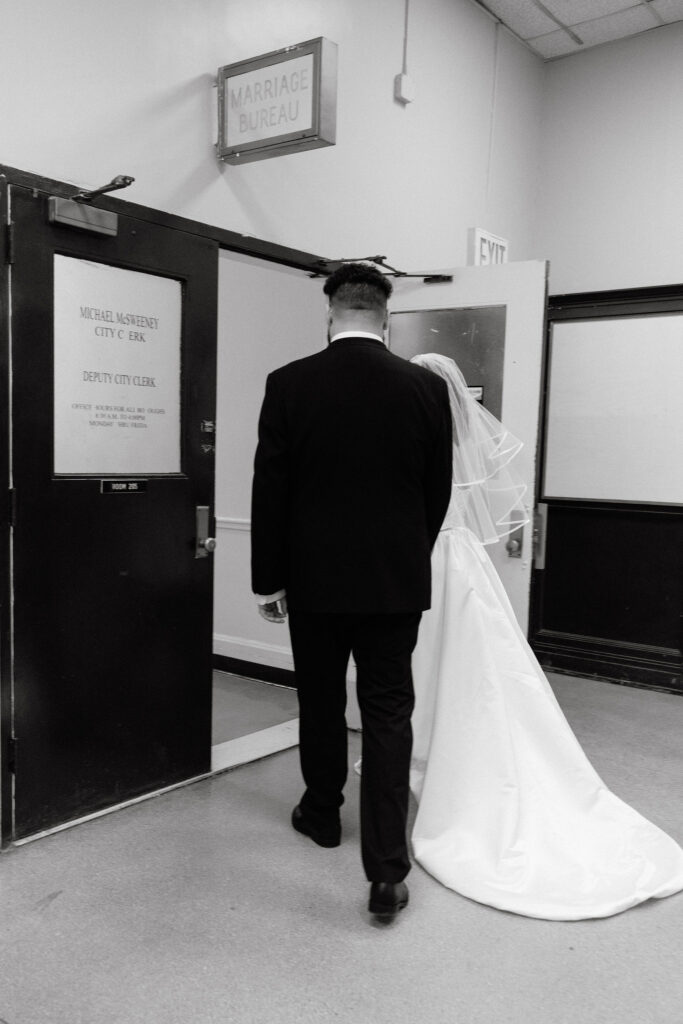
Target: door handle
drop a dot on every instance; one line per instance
(514, 543)
(204, 544)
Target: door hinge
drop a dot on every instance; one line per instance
(9, 244)
(12, 755)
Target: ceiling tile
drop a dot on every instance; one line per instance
(554, 44)
(615, 26)
(525, 19)
(593, 21)
(571, 12)
(670, 10)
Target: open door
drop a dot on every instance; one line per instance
(491, 321)
(113, 341)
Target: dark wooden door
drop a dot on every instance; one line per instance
(607, 594)
(112, 454)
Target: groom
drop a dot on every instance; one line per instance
(352, 479)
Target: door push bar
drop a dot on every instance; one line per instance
(204, 544)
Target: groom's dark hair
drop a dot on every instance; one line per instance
(358, 286)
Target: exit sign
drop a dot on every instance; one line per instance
(486, 249)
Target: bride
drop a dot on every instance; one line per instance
(511, 813)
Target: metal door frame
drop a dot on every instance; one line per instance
(6, 776)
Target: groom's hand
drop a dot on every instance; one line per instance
(274, 611)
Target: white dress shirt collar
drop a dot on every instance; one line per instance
(356, 334)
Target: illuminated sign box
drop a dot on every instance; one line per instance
(485, 249)
(281, 102)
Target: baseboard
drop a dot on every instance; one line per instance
(254, 670)
(608, 666)
(271, 664)
(256, 651)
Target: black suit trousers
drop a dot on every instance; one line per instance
(382, 646)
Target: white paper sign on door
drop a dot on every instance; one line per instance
(117, 346)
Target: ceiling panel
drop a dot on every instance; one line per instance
(571, 12)
(615, 26)
(554, 44)
(669, 10)
(526, 19)
(551, 27)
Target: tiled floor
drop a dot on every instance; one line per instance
(243, 706)
(203, 905)
(251, 720)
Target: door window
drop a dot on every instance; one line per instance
(117, 336)
(615, 415)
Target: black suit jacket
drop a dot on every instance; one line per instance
(352, 479)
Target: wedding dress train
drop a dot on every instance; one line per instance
(511, 812)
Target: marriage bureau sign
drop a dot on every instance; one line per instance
(280, 102)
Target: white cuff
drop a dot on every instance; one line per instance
(263, 599)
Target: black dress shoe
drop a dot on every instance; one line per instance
(387, 898)
(328, 837)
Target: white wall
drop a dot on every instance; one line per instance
(611, 202)
(268, 316)
(93, 89)
(578, 161)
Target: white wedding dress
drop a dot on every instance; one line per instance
(511, 812)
